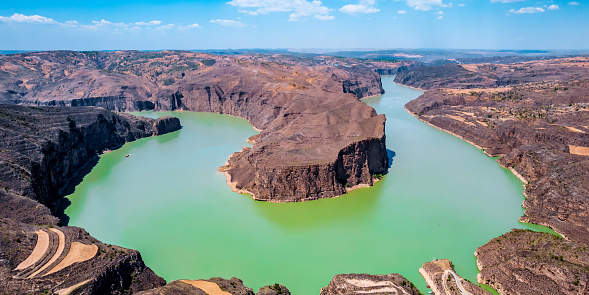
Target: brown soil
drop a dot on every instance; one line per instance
(209, 287)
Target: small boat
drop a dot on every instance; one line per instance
(126, 156)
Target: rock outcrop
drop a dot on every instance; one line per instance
(276, 289)
(539, 130)
(313, 124)
(217, 286)
(356, 284)
(525, 262)
(443, 280)
(43, 147)
(58, 260)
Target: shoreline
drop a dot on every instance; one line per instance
(180, 110)
(451, 133)
(233, 186)
(433, 286)
(522, 219)
(422, 90)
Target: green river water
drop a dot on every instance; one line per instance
(442, 198)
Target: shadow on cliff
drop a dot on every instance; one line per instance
(69, 189)
(391, 155)
(357, 205)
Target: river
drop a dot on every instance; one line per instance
(442, 198)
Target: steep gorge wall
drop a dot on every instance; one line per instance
(41, 149)
(44, 147)
(309, 114)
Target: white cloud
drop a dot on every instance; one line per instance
(573, 3)
(364, 6)
(358, 8)
(401, 12)
(324, 17)
(506, 1)
(527, 10)
(424, 5)
(553, 7)
(461, 4)
(70, 23)
(250, 12)
(104, 22)
(21, 18)
(439, 17)
(299, 8)
(228, 22)
(440, 12)
(165, 27)
(151, 23)
(188, 27)
(95, 25)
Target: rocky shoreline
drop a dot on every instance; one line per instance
(49, 141)
(41, 150)
(313, 126)
(317, 140)
(443, 280)
(535, 123)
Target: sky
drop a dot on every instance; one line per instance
(297, 24)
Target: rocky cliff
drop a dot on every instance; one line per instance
(39, 256)
(41, 149)
(44, 147)
(313, 124)
(540, 132)
(525, 262)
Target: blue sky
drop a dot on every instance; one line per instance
(468, 24)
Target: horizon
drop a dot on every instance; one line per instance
(295, 24)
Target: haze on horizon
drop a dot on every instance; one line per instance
(156, 25)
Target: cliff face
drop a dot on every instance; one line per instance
(524, 262)
(539, 130)
(43, 147)
(540, 133)
(360, 81)
(315, 129)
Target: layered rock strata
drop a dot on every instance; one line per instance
(315, 130)
(525, 262)
(41, 149)
(39, 256)
(355, 284)
(539, 130)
